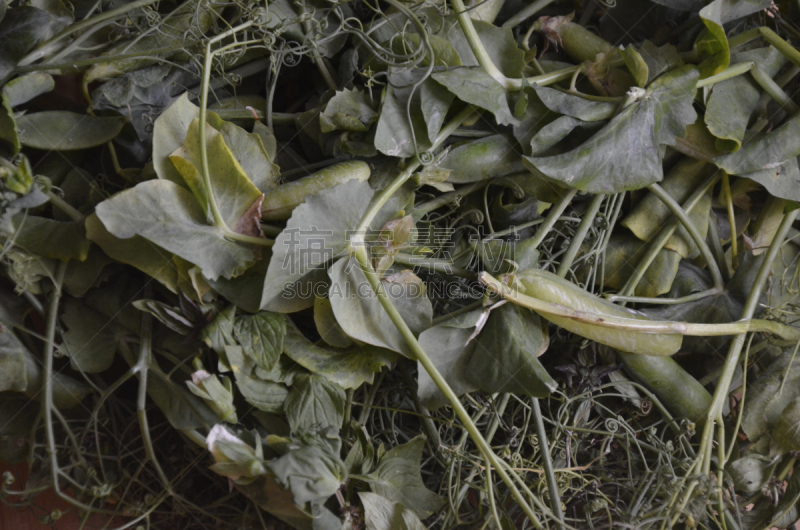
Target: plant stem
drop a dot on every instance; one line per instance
(580, 234)
(552, 217)
(527, 12)
(789, 51)
(729, 73)
(687, 223)
(547, 463)
(774, 90)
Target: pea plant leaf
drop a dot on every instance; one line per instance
(473, 85)
(625, 154)
(169, 216)
(317, 231)
(62, 130)
(314, 402)
(348, 367)
(382, 514)
(712, 44)
(261, 337)
(397, 477)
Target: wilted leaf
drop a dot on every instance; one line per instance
(481, 159)
(349, 110)
(473, 85)
(268, 396)
(382, 514)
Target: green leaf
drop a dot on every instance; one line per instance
(787, 429)
(659, 59)
(506, 354)
(395, 134)
(61, 130)
(712, 44)
(327, 327)
(26, 87)
(9, 131)
(348, 110)
(261, 337)
(545, 141)
(650, 214)
(217, 394)
(169, 133)
(168, 215)
(397, 477)
(636, 64)
(350, 367)
(382, 514)
(769, 395)
(732, 102)
(499, 43)
(314, 402)
(171, 317)
(750, 472)
(51, 239)
(625, 154)
(361, 315)
(450, 349)
(22, 28)
(481, 159)
(90, 339)
(621, 257)
(136, 251)
(574, 106)
(265, 395)
(473, 85)
(250, 152)
(315, 234)
(444, 54)
(761, 159)
(18, 414)
(312, 469)
(435, 100)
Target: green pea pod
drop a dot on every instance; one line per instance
(584, 309)
(682, 394)
(580, 43)
(280, 201)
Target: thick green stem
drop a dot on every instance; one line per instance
(547, 463)
(729, 73)
(580, 234)
(552, 217)
(774, 90)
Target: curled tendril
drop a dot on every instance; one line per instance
(426, 158)
(612, 424)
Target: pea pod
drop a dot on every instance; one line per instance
(279, 202)
(584, 314)
(579, 43)
(682, 394)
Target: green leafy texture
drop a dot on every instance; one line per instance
(218, 395)
(51, 239)
(348, 110)
(505, 357)
(233, 457)
(770, 394)
(498, 42)
(244, 291)
(9, 132)
(444, 54)
(786, 431)
(249, 151)
(545, 141)
(90, 338)
(482, 159)
(397, 477)
(712, 44)
(769, 160)
(383, 514)
(261, 337)
(625, 154)
(450, 349)
(315, 233)
(182, 409)
(21, 29)
(169, 216)
(394, 135)
(659, 59)
(61, 130)
(312, 469)
(435, 100)
(650, 214)
(636, 65)
(750, 472)
(172, 317)
(327, 327)
(349, 368)
(26, 87)
(574, 106)
(621, 257)
(22, 373)
(361, 315)
(136, 251)
(219, 333)
(235, 194)
(314, 402)
(83, 275)
(268, 396)
(473, 85)
(197, 15)
(732, 102)
(169, 133)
